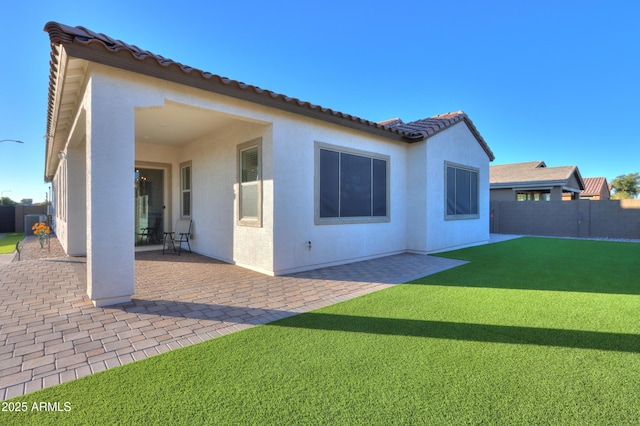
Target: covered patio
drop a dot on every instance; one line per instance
(50, 332)
(136, 141)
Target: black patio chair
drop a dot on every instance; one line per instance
(151, 233)
(181, 234)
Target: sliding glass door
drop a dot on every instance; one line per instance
(149, 205)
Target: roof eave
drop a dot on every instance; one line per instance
(58, 59)
(579, 178)
(96, 52)
(527, 184)
(472, 128)
(432, 126)
(478, 136)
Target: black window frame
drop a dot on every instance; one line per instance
(461, 192)
(351, 186)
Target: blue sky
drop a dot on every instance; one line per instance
(557, 81)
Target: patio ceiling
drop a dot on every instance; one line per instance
(169, 124)
(177, 124)
(68, 93)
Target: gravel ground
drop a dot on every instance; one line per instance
(615, 240)
(31, 249)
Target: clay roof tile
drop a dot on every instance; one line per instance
(594, 186)
(65, 35)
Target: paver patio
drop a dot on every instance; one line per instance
(51, 333)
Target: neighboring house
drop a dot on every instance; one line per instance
(534, 181)
(595, 189)
(270, 182)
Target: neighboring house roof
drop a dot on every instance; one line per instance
(595, 186)
(532, 174)
(82, 43)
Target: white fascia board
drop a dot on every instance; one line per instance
(545, 184)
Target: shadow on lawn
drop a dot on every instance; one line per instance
(470, 332)
(580, 339)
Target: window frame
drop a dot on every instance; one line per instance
(318, 220)
(186, 164)
(456, 167)
(531, 195)
(251, 221)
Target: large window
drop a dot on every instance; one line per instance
(250, 183)
(185, 190)
(533, 196)
(351, 186)
(461, 192)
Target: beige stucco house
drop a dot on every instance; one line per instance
(534, 181)
(270, 183)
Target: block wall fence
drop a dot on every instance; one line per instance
(12, 217)
(578, 218)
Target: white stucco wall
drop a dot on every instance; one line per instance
(456, 145)
(60, 201)
(417, 197)
(216, 232)
(280, 244)
(69, 185)
(214, 213)
(294, 227)
(77, 200)
(109, 103)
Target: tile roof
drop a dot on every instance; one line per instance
(513, 172)
(431, 126)
(531, 173)
(593, 186)
(390, 122)
(83, 43)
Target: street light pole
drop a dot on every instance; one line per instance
(11, 140)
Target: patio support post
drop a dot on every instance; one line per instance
(417, 203)
(110, 202)
(76, 211)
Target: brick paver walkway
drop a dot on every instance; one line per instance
(50, 332)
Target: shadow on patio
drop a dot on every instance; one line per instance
(52, 333)
(203, 311)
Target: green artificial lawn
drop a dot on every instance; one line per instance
(531, 331)
(8, 242)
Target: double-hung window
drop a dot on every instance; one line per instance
(461, 192)
(250, 183)
(352, 186)
(185, 190)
